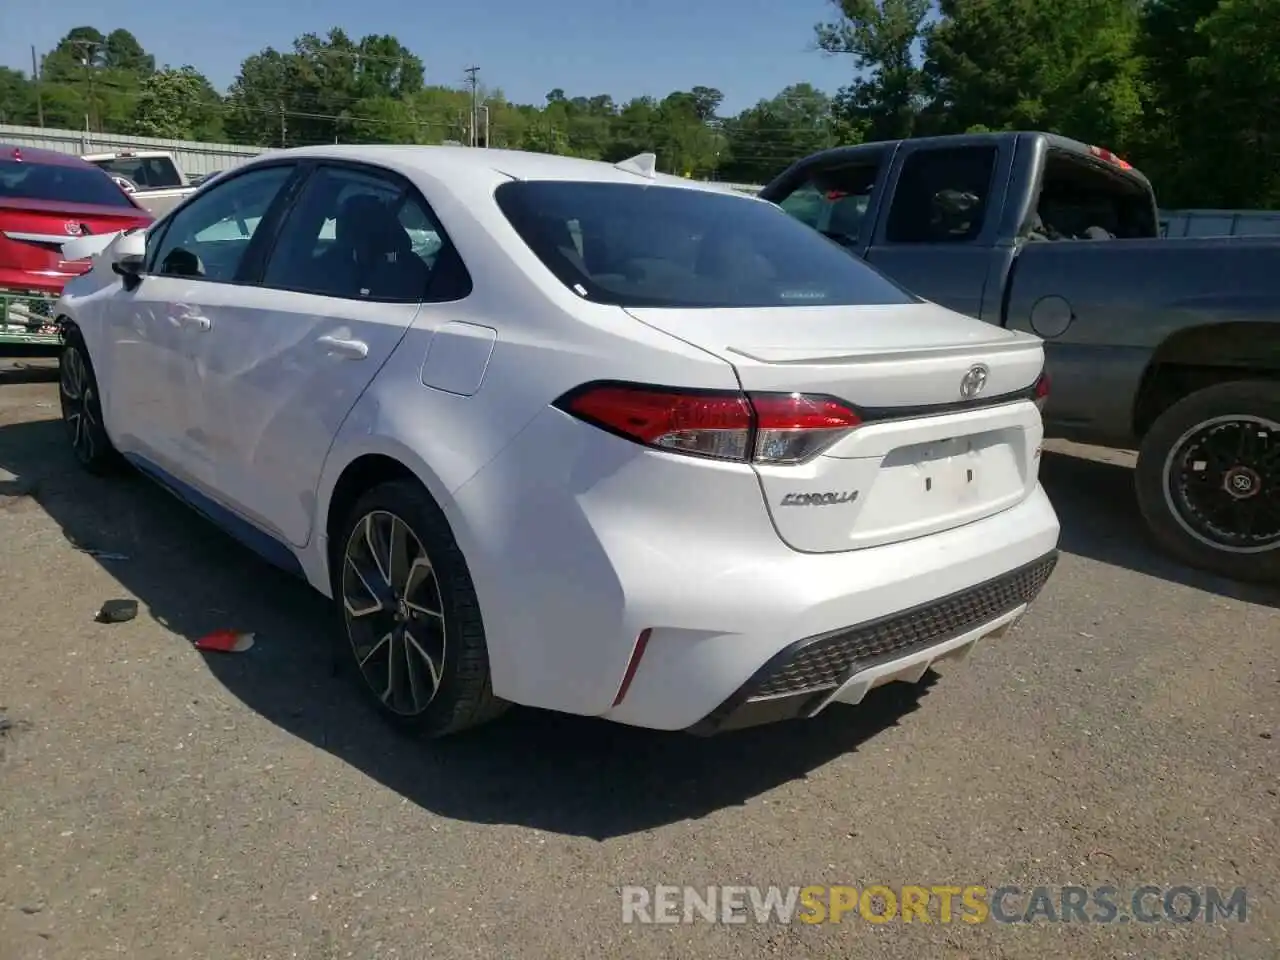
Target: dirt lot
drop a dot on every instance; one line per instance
(157, 802)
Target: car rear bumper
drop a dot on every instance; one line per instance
(819, 624)
(809, 675)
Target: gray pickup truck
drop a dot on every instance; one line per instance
(1167, 346)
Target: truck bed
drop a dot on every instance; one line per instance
(1100, 305)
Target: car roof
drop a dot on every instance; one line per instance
(485, 165)
(13, 151)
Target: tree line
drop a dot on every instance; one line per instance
(1187, 90)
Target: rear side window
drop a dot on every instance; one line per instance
(361, 236)
(72, 183)
(941, 196)
(1085, 199)
(659, 246)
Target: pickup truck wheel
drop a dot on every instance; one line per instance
(1208, 479)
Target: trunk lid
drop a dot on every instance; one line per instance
(32, 233)
(926, 458)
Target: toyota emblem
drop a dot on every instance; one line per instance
(72, 227)
(974, 381)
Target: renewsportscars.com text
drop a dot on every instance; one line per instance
(939, 903)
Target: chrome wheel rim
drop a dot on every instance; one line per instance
(394, 613)
(1222, 483)
(78, 404)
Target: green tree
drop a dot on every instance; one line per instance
(178, 104)
(1238, 104)
(1069, 68)
(383, 119)
(17, 97)
(764, 139)
(94, 78)
(82, 48)
(259, 98)
(121, 50)
(880, 36)
(324, 89)
(542, 136)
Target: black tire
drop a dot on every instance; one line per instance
(455, 661)
(81, 404)
(1225, 436)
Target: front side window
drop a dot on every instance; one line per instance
(667, 246)
(361, 236)
(942, 195)
(835, 202)
(208, 238)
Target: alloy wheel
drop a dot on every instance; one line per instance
(1222, 483)
(78, 404)
(394, 613)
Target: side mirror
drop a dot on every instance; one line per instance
(128, 256)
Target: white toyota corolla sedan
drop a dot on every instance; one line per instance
(569, 434)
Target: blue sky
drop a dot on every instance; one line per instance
(749, 49)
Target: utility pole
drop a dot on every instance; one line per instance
(284, 129)
(475, 84)
(35, 75)
(86, 56)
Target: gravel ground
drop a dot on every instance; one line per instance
(157, 802)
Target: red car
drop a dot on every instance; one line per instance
(45, 199)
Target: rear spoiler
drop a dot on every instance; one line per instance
(82, 248)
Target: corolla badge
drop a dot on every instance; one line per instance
(818, 499)
(974, 381)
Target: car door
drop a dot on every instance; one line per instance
(358, 253)
(937, 236)
(194, 266)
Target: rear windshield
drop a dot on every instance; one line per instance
(147, 172)
(656, 246)
(23, 180)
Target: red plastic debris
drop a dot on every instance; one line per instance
(225, 641)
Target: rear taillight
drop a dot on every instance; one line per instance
(792, 427)
(772, 428)
(1041, 391)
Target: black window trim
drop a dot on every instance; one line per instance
(994, 204)
(407, 191)
(266, 226)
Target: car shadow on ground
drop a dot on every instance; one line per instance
(1098, 508)
(568, 775)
